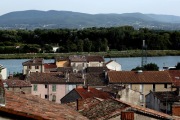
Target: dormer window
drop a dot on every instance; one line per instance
(29, 67)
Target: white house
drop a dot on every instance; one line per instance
(3, 72)
(113, 65)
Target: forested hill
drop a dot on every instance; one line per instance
(32, 19)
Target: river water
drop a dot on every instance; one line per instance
(128, 63)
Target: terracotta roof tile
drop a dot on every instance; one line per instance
(33, 107)
(17, 83)
(110, 108)
(104, 109)
(136, 77)
(175, 75)
(169, 96)
(49, 65)
(96, 69)
(91, 92)
(94, 58)
(94, 79)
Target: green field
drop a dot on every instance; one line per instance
(129, 53)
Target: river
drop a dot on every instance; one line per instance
(15, 65)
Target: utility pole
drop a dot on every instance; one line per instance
(144, 54)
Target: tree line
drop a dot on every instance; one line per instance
(87, 40)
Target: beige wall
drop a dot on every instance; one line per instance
(146, 89)
(95, 64)
(25, 68)
(62, 64)
(130, 96)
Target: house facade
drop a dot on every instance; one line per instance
(3, 72)
(142, 81)
(162, 101)
(113, 65)
(80, 62)
(55, 85)
(33, 65)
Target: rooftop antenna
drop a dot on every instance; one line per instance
(144, 54)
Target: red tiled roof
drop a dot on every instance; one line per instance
(35, 61)
(17, 83)
(91, 92)
(175, 75)
(33, 107)
(139, 77)
(49, 65)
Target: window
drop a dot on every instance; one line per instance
(29, 67)
(54, 98)
(36, 67)
(154, 87)
(165, 85)
(35, 87)
(46, 96)
(45, 86)
(54, 88)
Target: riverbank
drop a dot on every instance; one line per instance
(109, 54)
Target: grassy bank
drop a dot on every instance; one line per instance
(129, 53)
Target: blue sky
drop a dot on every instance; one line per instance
(168, 7)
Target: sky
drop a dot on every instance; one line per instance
(165, 7)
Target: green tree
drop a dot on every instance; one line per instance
(80, 45)
(87, 45)
(147, 67)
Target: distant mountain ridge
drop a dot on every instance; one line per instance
(32, 19)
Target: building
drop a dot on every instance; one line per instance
(62, 62)
(55, 85)
(29, 107)
(50, 67)
(84, 93)
(123, 93)
(16, 85)
(80, 63)
(3, 72)
(113, 65)
(33, 65)
(117, 110)
(142, 81)
(162, 101)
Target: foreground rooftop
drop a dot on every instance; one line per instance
(26, 106)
